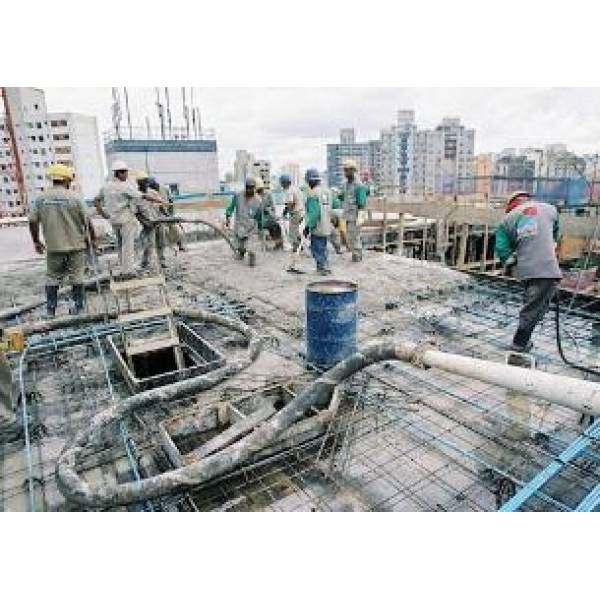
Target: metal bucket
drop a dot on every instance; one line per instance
(331, 318)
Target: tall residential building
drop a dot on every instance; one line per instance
(44, 138)
(512, 173)
(345, 149)
(242, 165)
(293, 170)
(77, 144)
(443, 159)
(184, 165)
(35, 150)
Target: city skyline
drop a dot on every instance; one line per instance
(276, 124)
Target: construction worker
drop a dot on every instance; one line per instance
(117, 201)
(148, 210)
(174, 232)
(353, 197)
(246, 206)
(293, 209)
(527, 238)
(268, 218)
(318, 220)
(65, 224)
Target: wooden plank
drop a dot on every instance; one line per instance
(231, 434)
(135, 347)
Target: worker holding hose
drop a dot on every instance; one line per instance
(65, 224)
(246, 206)
(117, 201)
(153, 234)
(527, 238)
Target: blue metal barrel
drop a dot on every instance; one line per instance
(331, 317)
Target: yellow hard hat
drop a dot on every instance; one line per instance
(58, 172)
(350, 163)
(260, 184)
(139, 175)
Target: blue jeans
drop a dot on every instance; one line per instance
(318, 248)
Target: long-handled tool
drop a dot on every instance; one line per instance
(292, 268)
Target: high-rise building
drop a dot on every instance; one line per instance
(345, 149)
(242, 165)
(484, 169)
(35, 151)
(43, 138)
(77, 144)
(443, 159)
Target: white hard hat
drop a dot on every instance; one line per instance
(119, 165)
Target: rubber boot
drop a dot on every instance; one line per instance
(78, 294)
(51, 300)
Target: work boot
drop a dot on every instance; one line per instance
(356, 258)
(251, 259)
(78, 294)
(51, 300)
(324, 271)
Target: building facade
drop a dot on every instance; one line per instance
(293, 170)
(184, 165)
(77, 144)
(242, 166)
(262, 169)
(347, 148)
(44, 138)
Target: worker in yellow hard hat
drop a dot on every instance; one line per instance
(66, 226)
(353, 198)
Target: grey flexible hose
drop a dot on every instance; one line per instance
(317, 394)
(168, 220)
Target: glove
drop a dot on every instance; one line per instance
(306, 232)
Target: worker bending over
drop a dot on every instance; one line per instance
(293, 209)
(353, 197)
(528, 236)
(117, 201)
(148, 211)
(318, 220)
(65, 225)
(246, 206)
(174, 232)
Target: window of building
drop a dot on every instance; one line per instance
(43, 151)
(62, 150)
(53, 123)
(41, 138)
(36, 106)
(60, 136)
(38, 125)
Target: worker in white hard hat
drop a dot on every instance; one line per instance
(67, 229)
(293, 209)
(118, 201)
(353, 198)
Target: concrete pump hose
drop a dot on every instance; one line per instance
(74, 488)
(167, 220)
(577, 394)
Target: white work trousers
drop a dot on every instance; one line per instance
(125, 233)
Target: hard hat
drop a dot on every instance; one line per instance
(260, 185)
(250, 182)
(119, 165)
(519, 193)
(514, 201)
(139, 175)
(284, 178)
(312, 175)
(153, 184)
(350, 163)
(58, 172)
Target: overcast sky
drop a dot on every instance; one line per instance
(294, 124)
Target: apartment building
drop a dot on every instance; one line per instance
(347, 148)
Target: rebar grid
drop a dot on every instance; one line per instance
(406, 439)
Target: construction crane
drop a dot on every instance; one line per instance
(12, 143)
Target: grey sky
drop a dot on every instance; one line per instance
(294, 124)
